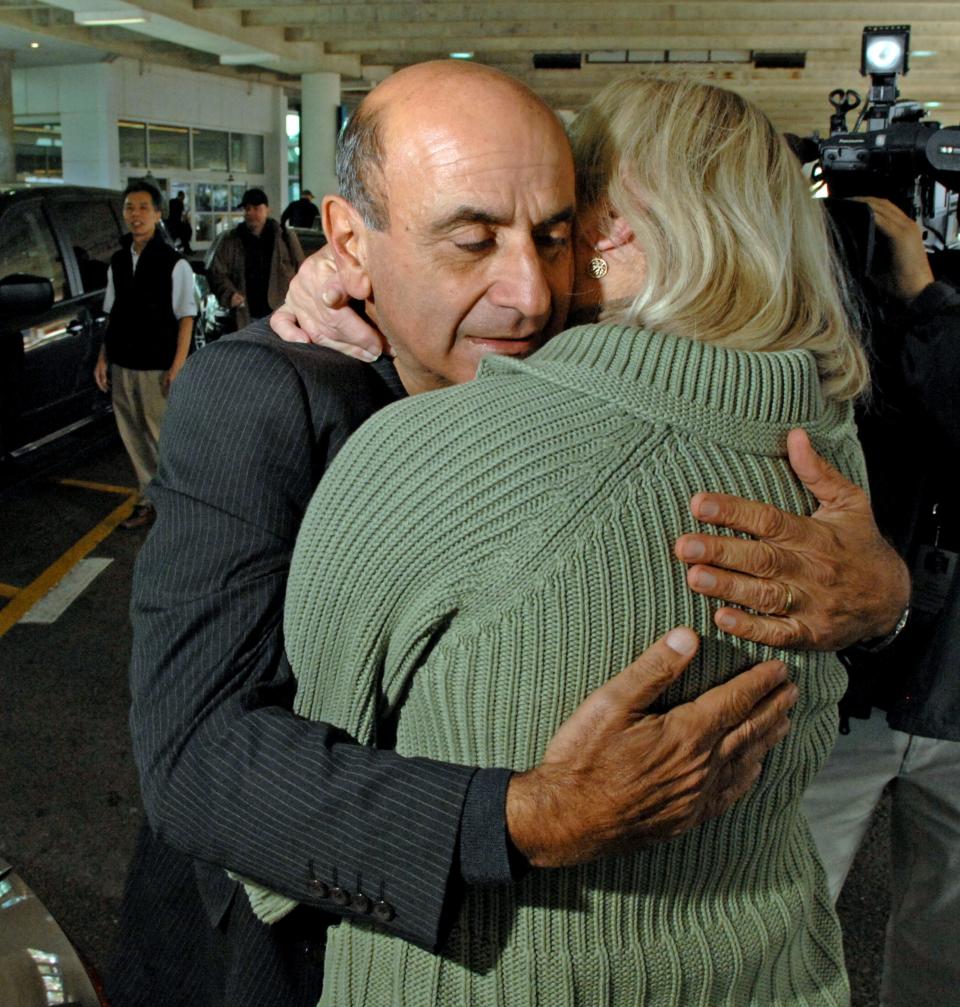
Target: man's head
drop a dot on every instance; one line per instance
(255, 208)
(142, 207)
(455, 218)
(307, 194)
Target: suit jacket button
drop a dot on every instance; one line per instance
(383, 911)
(340, 896)
(360, 903)
(319, 888)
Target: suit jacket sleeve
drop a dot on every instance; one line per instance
(229, 774)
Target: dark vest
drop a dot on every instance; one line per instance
(142, 332)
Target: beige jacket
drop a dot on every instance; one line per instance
(226, 273)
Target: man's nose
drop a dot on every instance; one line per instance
(521, 283)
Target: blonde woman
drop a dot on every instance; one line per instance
(518, 522)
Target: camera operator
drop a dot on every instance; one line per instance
(900, 719)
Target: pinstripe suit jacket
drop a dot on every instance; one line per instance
(251, 426)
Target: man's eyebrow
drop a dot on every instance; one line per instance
(563, 217)
(465, 215)
(473, 215)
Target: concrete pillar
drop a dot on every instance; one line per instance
(320, 94)
(275, 155)
(8, 163)
(89, 109)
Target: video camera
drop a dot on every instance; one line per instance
(899, 157)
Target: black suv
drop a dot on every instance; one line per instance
(55, 248)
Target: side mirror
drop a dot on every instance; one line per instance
(21, 294)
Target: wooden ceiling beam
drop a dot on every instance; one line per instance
(298, 57)
(804, 10)
(608, 37)
(47, 22)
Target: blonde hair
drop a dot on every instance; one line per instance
(736, 249)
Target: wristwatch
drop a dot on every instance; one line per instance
(875, 645)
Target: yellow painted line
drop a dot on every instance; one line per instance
(100, 487)
(25, 599)
(8, 591)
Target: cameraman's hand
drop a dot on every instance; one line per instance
(910, 274)
(317, 310)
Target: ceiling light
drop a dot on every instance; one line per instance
(34, 45)
(920, 53)
(461, 55)
(245, 58)
(91, 19)
(932, 104)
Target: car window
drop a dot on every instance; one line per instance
(27, 246)
(93, 232)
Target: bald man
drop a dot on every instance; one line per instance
(454, 230)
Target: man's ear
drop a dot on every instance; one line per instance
(346, 236)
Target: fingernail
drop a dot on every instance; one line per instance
(709, 509)
(703, 578)
(693, 550)
(681, 641)
(328, 298)
(727, 622)
(368, 356)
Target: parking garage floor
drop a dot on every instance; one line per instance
(69, 804)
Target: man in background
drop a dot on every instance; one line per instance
(255, 262)
(900, 718)
(151, 306)
(302, 212)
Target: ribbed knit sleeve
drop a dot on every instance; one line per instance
(475, 562)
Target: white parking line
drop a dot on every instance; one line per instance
(58, 599)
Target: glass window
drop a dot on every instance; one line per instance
(208, 225)
(246, 153)
(203, 227)
(94, 235)
(212, 197)
(39, 151)
(209, 150)
(293, 154)
(27, 246)
(133, 143)
(168, 146)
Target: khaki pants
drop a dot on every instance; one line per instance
(139, 404)
(921, 966)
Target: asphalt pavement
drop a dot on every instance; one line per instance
(69, 802)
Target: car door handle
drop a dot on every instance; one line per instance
(75, 327)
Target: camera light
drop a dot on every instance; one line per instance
(883, 55)
(885, 49)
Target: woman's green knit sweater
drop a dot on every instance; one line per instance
(478, 560)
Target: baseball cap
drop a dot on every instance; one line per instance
(253, 197)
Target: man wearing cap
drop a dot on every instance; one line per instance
(255, 262)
